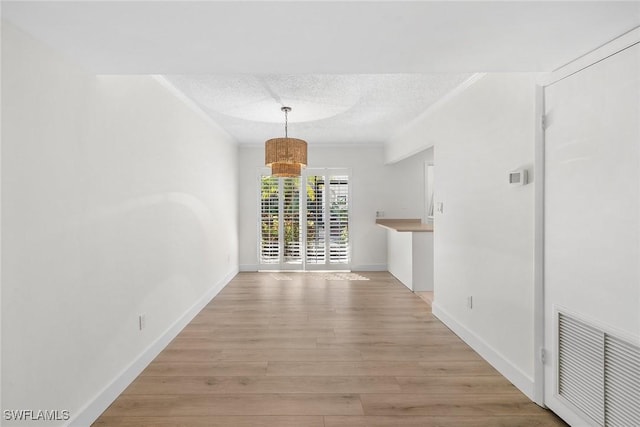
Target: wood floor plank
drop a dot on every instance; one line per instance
(257, 355)
(212, 421)
(380, 324)
(457, 385)
(387, 339)
(478, 405)
(205, 369)
(375, 367)
(363, 318)
(543, 420)
(221, 343)
(235, 404)
(266, 317)
(432, 353)
(177, 354)
(226, 329)
(419, 328)
(292, 354)
(261, 385)
(307, 352)
(257, 334)
(397, 349)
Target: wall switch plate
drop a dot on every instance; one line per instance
(440, 207)
(142, 321)
(470, 302)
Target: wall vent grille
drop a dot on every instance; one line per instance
(598, 373)
(622, 383)
(581, 367)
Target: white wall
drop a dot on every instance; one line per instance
(407, 199)
(417, 135)
(117, 199)
(484, 239)
(397, 190)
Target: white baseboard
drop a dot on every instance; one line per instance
(87, 415)
(369, 267)
(364, 267)
(518, 378)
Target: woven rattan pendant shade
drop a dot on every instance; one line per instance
(285, 150)
(286, 169)
(286, 156)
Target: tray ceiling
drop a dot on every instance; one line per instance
(353, 71)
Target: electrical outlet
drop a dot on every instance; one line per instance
(142, 321)
(440, 207)
(470, 302)
(379, 214)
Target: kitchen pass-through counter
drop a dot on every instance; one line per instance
(410, 252)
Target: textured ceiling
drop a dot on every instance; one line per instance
(353, 71)
(326, 108)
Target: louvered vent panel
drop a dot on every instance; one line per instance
(622, 383)
(581, 367)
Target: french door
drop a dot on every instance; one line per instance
(304, 221)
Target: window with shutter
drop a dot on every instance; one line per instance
(304, 221)
(339, 219)
(316, 246)
(269, 220)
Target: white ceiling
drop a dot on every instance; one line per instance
(353, 71)
(328, 108)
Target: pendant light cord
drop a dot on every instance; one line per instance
(286, 123)
(286, 110)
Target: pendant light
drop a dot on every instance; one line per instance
(286, 156)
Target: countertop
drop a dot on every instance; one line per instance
(403, 225)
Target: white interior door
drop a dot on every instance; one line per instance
(592, 238)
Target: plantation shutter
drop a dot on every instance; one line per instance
(291, 220)
(339, 219)
(316, 242)
(305, 220)
(269, 220)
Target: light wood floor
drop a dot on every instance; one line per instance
(308, 352)
(427, 296)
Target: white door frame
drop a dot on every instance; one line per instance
(538, 267)
(621, 43)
